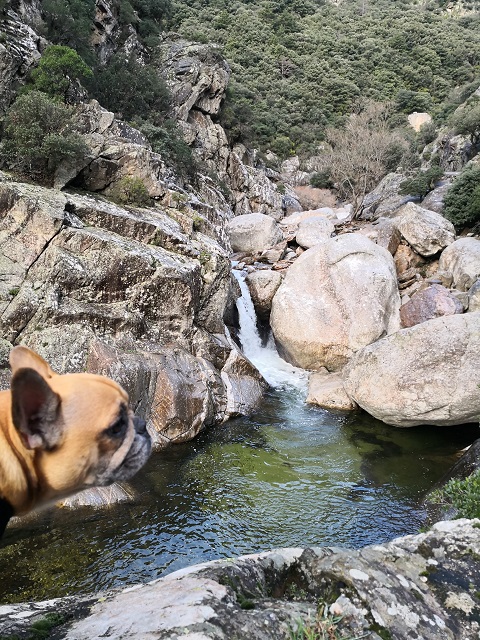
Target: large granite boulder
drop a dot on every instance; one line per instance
(253, 232)
(336, 298)
(433, 201)
(422, 586)
(462, 260)
(432, 302)
(20, 49)
(428, 374)
(312, 231)
(426, 231)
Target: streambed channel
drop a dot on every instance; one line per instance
(292, 475)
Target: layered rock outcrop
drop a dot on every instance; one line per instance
(336, 298)
(125, 292)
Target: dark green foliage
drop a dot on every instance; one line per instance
(462, 202)
(463, 495)
(58, 68)
(131, 89)
(300, 66)
(422, 182)
(131, 191)
(168, 141)
(38, 136)
(69, 22)
(322, 179)
(466, 120)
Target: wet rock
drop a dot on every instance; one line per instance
(336, 298)
(253, 232)
(433, 302)
(425, 231)
(326, 390)
(420, 586)
(244, 385)
(428, 373)
(462, 260)
(263, 285)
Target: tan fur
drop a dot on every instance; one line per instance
(89, 405)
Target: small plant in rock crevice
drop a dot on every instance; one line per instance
(325, 626)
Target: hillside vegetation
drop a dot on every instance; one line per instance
(301, 65)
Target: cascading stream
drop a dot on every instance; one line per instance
(274, 369)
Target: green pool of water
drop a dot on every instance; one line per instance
(292, 475)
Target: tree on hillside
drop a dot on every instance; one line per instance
(362, 152)
(59, 68)
(466, 121)
(38, 135)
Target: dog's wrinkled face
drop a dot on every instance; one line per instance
(78, 427)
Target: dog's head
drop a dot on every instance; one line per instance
(78, 427)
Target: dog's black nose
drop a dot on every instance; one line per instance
(140, 425)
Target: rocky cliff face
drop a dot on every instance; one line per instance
(126, 292)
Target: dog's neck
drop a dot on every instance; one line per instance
(16, 464)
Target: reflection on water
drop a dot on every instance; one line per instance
(292, 475)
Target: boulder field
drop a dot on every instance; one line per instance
(377, 301)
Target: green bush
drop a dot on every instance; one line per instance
(39, 135)
(462, 202)
(422, 182)
(463, 495)
(132, 191)
(59, 66)
(69, 22)
(131, 89)
(322, 179)
(168, 141)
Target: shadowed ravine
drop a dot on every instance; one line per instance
(292, 475)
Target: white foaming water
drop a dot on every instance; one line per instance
(277, 372)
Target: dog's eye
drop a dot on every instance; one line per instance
(117, 429)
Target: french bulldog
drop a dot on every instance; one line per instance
(60, 434)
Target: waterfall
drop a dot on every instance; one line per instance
(273, 368)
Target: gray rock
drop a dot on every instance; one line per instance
(474, 296)
(384, 199)
(421, 586)
(434, 200)
(253, 232)
(428, 374)
(336, 298)
(326, 390)
(462, 260)
(425, 231)
(263, 285)
(314, 230)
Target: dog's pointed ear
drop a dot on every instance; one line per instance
(35, 410)
(25, 358)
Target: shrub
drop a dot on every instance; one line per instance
(168, 141)
(131, 89)
(422, 182)
(131, 190)
(59, 66)
(463, 495)
(38, 135)
(322, 179)
(462, 202)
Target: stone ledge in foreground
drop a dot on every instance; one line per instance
(420, 587)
